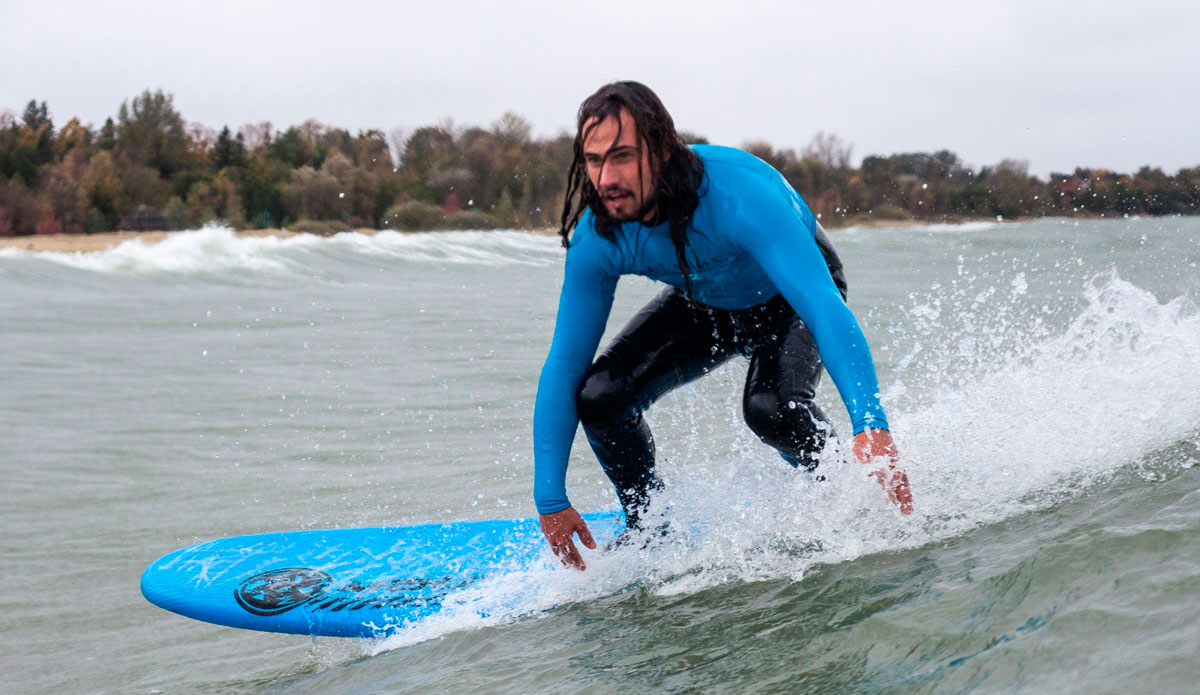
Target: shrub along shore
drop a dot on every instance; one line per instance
(150, 170)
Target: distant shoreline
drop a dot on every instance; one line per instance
(103, 241)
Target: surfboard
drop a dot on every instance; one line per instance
(361, 582)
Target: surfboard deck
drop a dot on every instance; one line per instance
(362, 582)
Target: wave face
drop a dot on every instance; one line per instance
(1042, 379)
(216, 250)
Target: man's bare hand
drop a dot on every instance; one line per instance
(875, 448)
(559, 529)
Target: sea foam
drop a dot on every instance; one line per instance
(1043, 423)
(219, 249)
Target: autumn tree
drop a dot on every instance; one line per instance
(65, 193)
(74, 136)
(216, 200)
(311, 194)
(357, 189)
(257, 136)
(19, 208)
(105, 193)
(37, 115)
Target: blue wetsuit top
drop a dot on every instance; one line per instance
(751, 237)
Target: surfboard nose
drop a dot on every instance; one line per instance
(359, 582)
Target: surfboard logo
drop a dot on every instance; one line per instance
(280, 590)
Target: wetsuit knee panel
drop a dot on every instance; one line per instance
(762, 411)
(786, 425)
(604, 395)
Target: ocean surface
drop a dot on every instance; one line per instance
(1042, 380)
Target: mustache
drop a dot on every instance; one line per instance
(614, 190)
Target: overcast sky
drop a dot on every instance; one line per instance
(1057, 83)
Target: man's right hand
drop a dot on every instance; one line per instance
(875, 447)
(559, 528)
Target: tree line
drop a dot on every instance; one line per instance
(148, 168)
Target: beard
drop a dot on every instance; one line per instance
(619, 205)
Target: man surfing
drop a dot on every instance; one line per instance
(748, 270)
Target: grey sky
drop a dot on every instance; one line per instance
(1060, 84)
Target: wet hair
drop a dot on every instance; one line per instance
(674, 168)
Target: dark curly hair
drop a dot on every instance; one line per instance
(675, 169)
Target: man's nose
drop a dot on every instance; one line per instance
(608, 176)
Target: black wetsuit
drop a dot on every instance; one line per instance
(768, 286)
(672, 341)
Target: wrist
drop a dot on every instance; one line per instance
(875, 446)
(551, 507)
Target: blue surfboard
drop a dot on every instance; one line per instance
(362, 582)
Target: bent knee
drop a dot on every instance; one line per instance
(776, 421)
(604, 396)
(762, 413)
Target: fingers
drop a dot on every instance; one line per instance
(585, 535)
(559, 529)
(872, 446)
(569, 555)
(895, 485)
(902, 492)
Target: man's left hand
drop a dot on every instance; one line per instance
(875, 448)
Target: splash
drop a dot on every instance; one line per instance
(1060, 413)
(1053, 416)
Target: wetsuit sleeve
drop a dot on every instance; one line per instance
(777, 231)
(583, 308)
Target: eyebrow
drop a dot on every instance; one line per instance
(611, 151)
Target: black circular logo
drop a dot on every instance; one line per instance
(280, 590)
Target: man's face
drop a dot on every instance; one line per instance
(619, 167)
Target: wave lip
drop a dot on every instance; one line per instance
(459, 247)
(967, 227)
(208, 249)
(216, 249)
